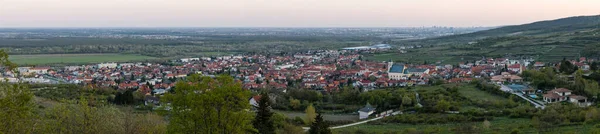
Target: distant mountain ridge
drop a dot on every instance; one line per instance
(545, 40)
(568, 24)
(560, 25)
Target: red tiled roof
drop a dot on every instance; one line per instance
(561, 90)
(577, 97)
(257, 97)
(553, 96)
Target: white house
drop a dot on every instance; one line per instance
(189, 59)
(284, 66)
(159, 91)
(39, 70)
(364, 112)
(254, 100)
(563, 94)
(107, 65)
(557, 95)
(515, 68)
(579, 100)
(417, 71)
(72, 68)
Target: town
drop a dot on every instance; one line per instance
(320, 70)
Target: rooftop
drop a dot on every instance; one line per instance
(397, 68)
(367, 108)
(561, 90)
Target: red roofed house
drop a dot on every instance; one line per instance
(515, 67)
(563, 94)
(254, 100)
(539, 64)
(557, 95)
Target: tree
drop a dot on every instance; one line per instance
(16, 104)
(263, 121)
(294, 103)
(5, 62)
(292, 129)
(594, 66)
(207, 105)
(406, 101)
(567, 67)
(486, 124)
(442, 106)
(319, 126)
(16, 109)
(310, 114)
(132, 78)
(74, 117)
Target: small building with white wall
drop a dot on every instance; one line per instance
(364, 112)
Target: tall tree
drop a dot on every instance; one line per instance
(263, 121)
(406, 101)
(16, 104)
(132, 78)
(206, 105)
(319, 126)
(16, 109)
(310, 114)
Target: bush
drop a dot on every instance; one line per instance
(298, 120)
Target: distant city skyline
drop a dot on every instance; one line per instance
(287, 13)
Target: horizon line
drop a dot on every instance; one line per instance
(290, 27)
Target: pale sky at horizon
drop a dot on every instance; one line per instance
(286, 13)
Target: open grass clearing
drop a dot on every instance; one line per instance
(471, 92)
(328, 117)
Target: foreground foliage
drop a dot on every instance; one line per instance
(206, 105)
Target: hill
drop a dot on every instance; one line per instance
(544, 40)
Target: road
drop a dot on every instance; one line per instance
(358, 123)
(536, 104)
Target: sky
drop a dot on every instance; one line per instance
(286, 13)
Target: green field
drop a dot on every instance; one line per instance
(471, 92)
(328, 117)
(420, 57)
(44, 59)
(500, 125)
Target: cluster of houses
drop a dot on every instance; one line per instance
(324, 70)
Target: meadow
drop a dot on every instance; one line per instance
(497, 125)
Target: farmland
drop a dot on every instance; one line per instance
(45, 59)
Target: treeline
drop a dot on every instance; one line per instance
(549, 78)
(21, 114)
(346, 100)
(557, 115)
(221, 100)
(180, 47)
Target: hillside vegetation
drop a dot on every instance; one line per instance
(545, 41)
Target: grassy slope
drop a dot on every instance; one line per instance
(329, 117)
(75, 58)
(545, 41)
(473, 93)
(498, 125)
